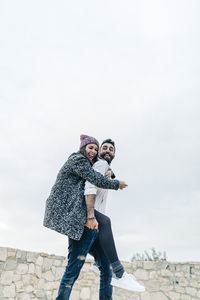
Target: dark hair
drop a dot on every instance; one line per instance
(108, 141)
(82, 151)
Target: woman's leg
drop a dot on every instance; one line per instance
(107, 243)
(78, 251)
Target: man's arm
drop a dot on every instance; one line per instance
(100, 166)
(90, 195)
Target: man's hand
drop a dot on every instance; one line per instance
(92, 224)
(108, 174)
(122, 185)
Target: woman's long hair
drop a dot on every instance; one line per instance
(82, 151)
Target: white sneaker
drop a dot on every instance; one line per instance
(128, 282)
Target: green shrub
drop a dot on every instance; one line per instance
(154, 256)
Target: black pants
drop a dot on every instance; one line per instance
(106, 239)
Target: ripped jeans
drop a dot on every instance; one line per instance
(78, 250)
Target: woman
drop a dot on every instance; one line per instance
(65, 210)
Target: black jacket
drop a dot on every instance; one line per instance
(65, 210)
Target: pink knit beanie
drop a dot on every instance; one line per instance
(85, 140)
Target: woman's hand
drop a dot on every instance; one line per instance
(122, 185)
(108, 174)
(92, 224)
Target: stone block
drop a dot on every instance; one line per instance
(39, 294)
(11, 253)
(39, 261)
(34, 280)
(145, 296)
(195, 283)
(185, 297)
(44, 254)
(57, 262)
(47, 263)
(85, 283)
(164, 281)
(29, 289)
(75, 295)
(9, 291)
(49, 286)
(1, 266)
(137, 264)
(166, 273)
(22, 269)
(59, 273)
(16, 277)
(6, 277)
(19, 286)
(48, 295)
(141, 274)
(85, 293)
(166, 288)
(89, 276)
(38, 271)
(31, 257)
(10, 265)
(94, 296)
(153, 275)
(21, 256)
(174, 296)
(27, 279)
(48, 276)
(53, 269)
(3, 254)
(149, 265)
(158, 296)
(31, 269)
(41, 283)
(152, 285)
(186, 269)
(180, 289)
(183, 282)
(55, 294)
(23, 296)
(64, 262)
(198, 294)
(191, 291)
(86, 267)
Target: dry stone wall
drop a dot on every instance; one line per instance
(30, 276)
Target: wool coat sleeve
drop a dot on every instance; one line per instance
(82, 168)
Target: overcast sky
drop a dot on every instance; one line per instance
(129, 70)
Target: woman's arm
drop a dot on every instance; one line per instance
(81, 167)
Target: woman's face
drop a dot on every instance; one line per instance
(91, 151)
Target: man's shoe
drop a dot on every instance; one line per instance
(128, 282)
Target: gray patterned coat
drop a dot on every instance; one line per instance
(65, 210)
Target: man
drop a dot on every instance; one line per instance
(96, 199)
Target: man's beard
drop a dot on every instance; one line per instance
(108, 159)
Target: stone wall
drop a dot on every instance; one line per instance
(27, 275)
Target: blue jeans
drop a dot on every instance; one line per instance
(78, 250)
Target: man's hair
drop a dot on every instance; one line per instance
(108, 141)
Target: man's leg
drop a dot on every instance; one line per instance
(105, 291)
(78, 251)
(108, 244)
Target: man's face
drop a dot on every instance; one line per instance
(107, 152)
